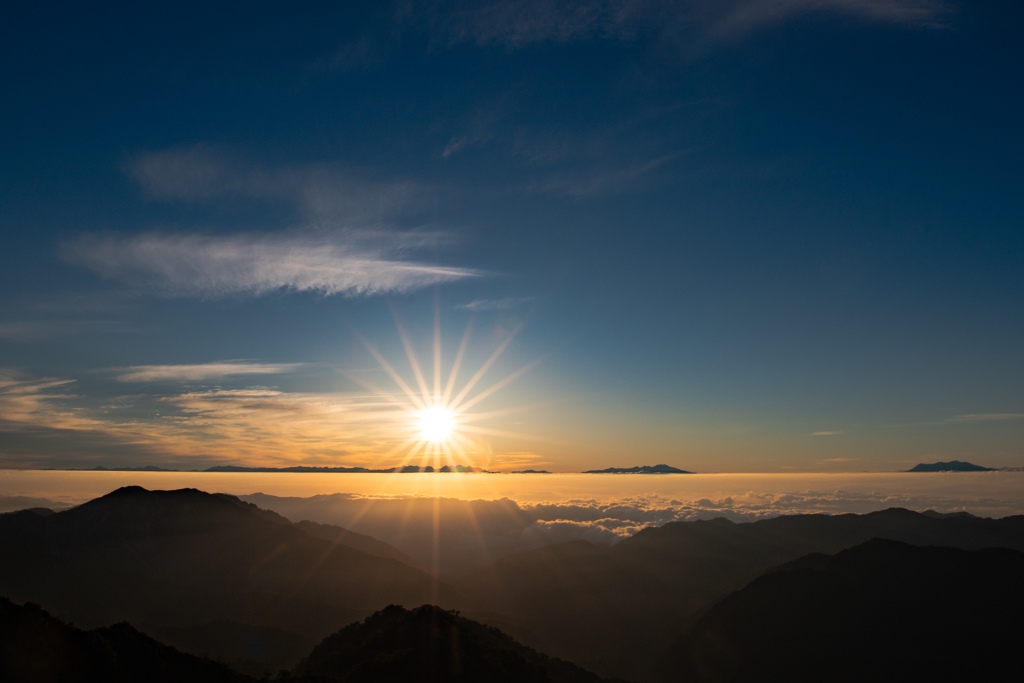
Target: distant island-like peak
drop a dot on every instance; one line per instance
(951, 466)
(644, 469)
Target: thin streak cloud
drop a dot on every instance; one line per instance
(178, 373)
(38, 330)
(518, 23)
(318, 191)
(191, 265)
(496, 304)
(986, 417)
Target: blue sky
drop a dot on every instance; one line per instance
(729, 236)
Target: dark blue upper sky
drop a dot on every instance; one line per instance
(739, 235)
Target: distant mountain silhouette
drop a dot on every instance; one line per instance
(881, 611)
(951, 466)
(101, 468)
(613, 609)
(407, 469)
(186, 558)
(367, 544)
(530, 472)
(644, 469)
(15, 503)
(431, 644)
(35, 647)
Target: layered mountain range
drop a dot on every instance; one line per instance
(211, 574)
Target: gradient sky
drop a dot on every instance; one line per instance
(737, 235)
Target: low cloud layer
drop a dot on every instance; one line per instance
(349, 263)
(43, 423)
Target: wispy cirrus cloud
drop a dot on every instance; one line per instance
(38, 330)
(826, 433)
(26, 400)
(589, 184)
(317, 191)
(985, 417)
(349, 263)
(517, 23)
(200, 372)
(505, 304)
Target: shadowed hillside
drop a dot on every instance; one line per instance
(427, 644)
(186, 558)
(883, 610)
(38, 648)
(613, 609)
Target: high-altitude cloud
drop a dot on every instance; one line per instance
(496, 304)
(516, 23)
(986, 417)
(351, 263)
(204, 371)
(317, 191)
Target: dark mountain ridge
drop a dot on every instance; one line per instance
(392, 645)
(432, 644)
(612, 609)
(182, 559)
(951, 466)
(178, 563)
(881, 611)
(36, 647)
(640, 469)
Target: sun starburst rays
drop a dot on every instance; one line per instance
(439, 429)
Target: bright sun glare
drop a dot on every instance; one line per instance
(443, 428)
(436, 424)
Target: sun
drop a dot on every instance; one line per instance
(437, 424)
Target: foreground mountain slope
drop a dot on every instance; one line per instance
(36, 647)
(187, 558)
(393, 645)
(431, 644)
(614, 609)
(883, 610)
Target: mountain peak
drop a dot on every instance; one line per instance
(642, 469)
(431, 643)
(951, 466)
